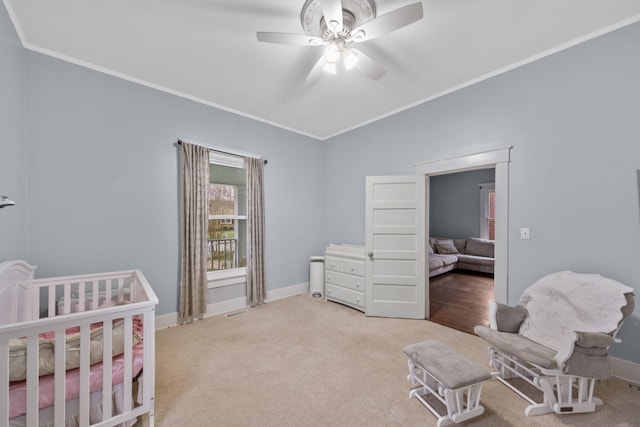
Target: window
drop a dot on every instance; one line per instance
(227, 226)
(488, 211)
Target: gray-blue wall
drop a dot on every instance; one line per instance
(102, 169)
(13, 231)
(454, 203)
(103, 178)
(573, 120)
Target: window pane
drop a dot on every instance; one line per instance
(227, 246)
(222, 199)
(227, 243)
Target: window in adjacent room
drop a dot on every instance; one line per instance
(227, 226)
(488, 211)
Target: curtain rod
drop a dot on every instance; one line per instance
(222, 149)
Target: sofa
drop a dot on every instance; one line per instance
(472, 254)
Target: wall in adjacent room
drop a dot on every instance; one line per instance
(103, 179)
(13, 229)
(572, 119)
(454, 203)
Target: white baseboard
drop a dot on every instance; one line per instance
(171, 319)
(625, 370)
(289, 291)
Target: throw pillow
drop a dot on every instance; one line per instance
(446, 247)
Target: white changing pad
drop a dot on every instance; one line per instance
(563, 302)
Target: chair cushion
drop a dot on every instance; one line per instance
(509, 319)
(519, 346)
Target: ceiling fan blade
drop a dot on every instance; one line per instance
(332, 12)
(368, 66)
(387, 23)
(291, 39)
(316, 72)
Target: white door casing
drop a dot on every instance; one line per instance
(395, 226)
(498, 159)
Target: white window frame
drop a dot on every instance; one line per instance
(234, 276)
(485, 189)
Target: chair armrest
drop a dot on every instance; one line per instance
(504, 318)
(582, 354)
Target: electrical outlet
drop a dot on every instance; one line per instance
(525, 233)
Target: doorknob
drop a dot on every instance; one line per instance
(370, 255)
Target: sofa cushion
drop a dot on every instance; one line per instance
(477, 260)
(480, 247)
(448, 259)
(446, 247)
(435, 262)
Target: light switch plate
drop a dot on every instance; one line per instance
(525, 233)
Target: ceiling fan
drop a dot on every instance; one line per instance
(337, 24)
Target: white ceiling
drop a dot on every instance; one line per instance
(207, 50)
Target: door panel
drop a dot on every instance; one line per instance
(395, 241)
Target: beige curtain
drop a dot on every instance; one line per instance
(256, 289)
(194, 166)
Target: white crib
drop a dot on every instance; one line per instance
(74, 372)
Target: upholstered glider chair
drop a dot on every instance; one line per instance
(557, 340)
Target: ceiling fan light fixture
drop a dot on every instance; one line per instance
(350, 59)
(337, 24)
(330, 67)
(332, 53)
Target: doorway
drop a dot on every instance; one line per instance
(498, 159)
(461, 280)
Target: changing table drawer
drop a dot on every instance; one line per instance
(353, 267)
(345, 296)
(353, 282)
(333, 264)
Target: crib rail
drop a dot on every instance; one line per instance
(57, 304)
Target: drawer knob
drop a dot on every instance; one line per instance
(352, 268)
(358, 300)
(357, 285)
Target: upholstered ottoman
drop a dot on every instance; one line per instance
(451, 377)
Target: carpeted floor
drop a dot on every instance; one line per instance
(305, 362)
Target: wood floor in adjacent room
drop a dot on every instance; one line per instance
(460, 300)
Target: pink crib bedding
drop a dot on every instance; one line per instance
(18, 389)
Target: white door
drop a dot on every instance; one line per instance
(395, 279)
